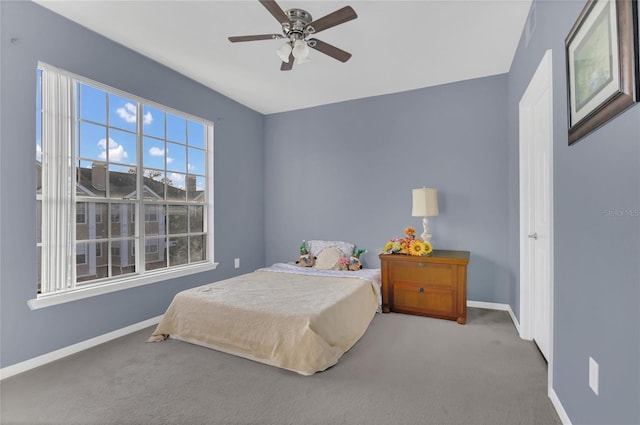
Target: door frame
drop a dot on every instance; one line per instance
(543, 76)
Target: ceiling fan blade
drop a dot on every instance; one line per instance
(338, 17)
(286, 66)
(329, 50)
(254, 37)
(276, 11)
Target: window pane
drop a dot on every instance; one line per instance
(39, 132)
(155, 223)
(122, 112)
(178, 251)
(196, 162)
(122, 222)
(92, 178)
(176, 157)
(38, 221)
(197, 248)
(81, 214)
(97, 262)
(176, 128)
(177, 219)
(153, 184)
(156, 260)
(81, 253)
(122, 182)
(195, 188)
(94, 226)
(93, 142)
(82, 228)
(122, 147)
(93, 104)
(153, 122)
(176, 187)
(153, 155)
(39, 267)
(196, 134)
(196, 222)
(123, 259)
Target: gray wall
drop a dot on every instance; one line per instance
(345, 171)
(597, 278)
(239, 201)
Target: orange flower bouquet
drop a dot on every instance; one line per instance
(408, 245)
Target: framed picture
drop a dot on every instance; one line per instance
(601, 64)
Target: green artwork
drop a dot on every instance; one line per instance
(593, 62)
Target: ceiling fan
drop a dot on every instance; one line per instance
(297, 26)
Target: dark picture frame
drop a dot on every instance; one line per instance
(602, 64)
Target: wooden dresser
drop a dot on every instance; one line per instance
(434, 285)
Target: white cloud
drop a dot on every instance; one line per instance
(116, 151)
(191, 167)
(169, 160)
(177, 180)
(155, 151)
(128, 113)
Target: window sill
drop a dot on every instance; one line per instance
(50, 300)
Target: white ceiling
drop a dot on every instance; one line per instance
(396, 45)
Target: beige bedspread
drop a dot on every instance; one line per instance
(300, 323)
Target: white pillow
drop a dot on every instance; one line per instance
(316, 246)
(328, 258)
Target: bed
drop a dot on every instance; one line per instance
(295, 318)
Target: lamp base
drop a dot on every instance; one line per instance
(426, 236)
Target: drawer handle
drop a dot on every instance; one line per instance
(421, 290)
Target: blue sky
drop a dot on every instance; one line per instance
(168, 140)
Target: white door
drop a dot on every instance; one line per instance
(536, 154)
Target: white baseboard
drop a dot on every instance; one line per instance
(559, 408)
(496, 306)
(75, 348)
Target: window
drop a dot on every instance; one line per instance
(81, 213)
(130, 156)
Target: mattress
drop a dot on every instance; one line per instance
(299, 319)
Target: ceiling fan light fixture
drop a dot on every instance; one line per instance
(300, 61)
(283, 52)
(300, 50)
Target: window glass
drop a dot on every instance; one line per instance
(122, 112)
(196, 161)
(195, 134)
(93, 142)
(93, 104)
(153, 153)
(154, 122)
(122, 147)
(176, 128)
(176, 157)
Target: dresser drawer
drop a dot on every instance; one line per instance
(433, 275)
(415, 298)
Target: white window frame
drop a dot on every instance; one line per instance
(85, 290)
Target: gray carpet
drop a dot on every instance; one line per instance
(404, 370)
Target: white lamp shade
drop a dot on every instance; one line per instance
(283, 52)
(300, 50)
(425, 202)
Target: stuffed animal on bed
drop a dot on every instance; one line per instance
(353, 262)
(305, 259)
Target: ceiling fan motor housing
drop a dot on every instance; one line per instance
(297, 29)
